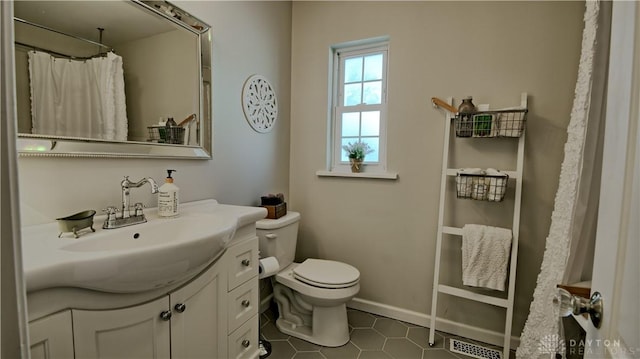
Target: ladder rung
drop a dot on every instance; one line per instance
(499, 302)
(452, 230)
(454, 172)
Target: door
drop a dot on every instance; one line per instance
(51, 337)
(616, 273)
(135, 332)
(199, 320)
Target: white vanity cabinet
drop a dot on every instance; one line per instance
(215, 315)
(188, 323)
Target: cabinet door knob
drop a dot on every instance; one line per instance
(180, 307)
(246, 343)
(245, 262)
(165, 315)
(245, 303)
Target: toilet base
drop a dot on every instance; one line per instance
(330, 327)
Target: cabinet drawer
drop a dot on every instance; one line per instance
(243, 262)
(243, 342)
(243, 303)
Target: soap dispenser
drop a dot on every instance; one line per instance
(168, 197)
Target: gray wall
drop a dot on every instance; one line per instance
(387, 228)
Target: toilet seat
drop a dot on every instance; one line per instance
(326, 273)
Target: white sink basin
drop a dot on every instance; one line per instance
(156, 233)
(136, 258)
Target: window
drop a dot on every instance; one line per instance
(359, 103)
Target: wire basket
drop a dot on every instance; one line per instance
(164, 134)
(482, 187)
(499, 123)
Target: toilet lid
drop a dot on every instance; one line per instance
(326, 274)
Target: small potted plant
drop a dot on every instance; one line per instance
(356, 152)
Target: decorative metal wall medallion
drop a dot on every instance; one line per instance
(259, 103)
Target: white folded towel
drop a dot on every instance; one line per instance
(485, 256)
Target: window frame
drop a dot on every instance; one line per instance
(339, 54)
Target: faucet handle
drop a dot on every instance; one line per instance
(111, 217)
(111, 211)
(138, 207)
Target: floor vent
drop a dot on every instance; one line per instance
(473, 350)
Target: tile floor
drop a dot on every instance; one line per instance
(372, 337)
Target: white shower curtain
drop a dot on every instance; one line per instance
(568, 256)
(78, 98)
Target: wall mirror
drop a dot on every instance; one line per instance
(101, 79)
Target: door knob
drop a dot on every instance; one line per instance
(573, 304)
(180, 307)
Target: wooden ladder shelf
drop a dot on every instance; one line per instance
(438, 288)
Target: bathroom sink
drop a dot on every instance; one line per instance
(157, 233)
(137, 258)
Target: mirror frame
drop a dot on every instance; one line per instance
(30, 145)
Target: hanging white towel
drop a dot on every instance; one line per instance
(485, 256)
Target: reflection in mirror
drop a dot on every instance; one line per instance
(102, 78)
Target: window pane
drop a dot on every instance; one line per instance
(350, 124)
(360, 113)
(374, 143)
(353, 70)
(373, 93)
(373, 67)
(370, 123)
(353, 94)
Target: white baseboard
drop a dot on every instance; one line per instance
(424, 320)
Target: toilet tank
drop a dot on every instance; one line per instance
(278, 237)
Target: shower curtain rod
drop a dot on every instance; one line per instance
(45, 50)
(61, 33)
(59, 54)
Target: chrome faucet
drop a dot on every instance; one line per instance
(126, 185)
(126, 219)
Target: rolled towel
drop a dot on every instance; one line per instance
(510, 124)
(479, 189)
(497, 184)
(470, 171)
(485, 256)
(465, 183)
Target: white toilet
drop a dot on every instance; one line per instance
(311, 295)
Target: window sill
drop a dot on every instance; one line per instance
(377, 175)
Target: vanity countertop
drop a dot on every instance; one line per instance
(135, 258)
